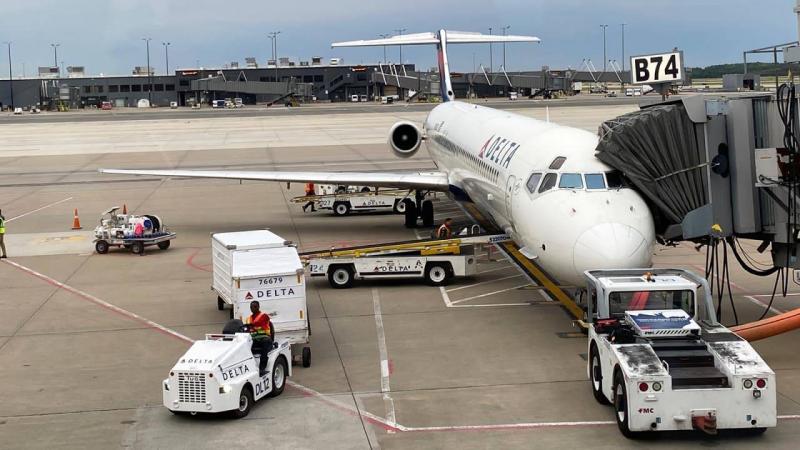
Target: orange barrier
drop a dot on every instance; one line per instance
(124, 208)
(772, 326)
(76, 222)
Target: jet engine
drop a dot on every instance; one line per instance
(405, 138)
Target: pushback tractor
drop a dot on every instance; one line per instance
(221, 374)
(659, 356)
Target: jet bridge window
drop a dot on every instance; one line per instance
(557, 163)
(619, 302)
(571, 181)
(533, 182)
(595, 181)
(548, 183)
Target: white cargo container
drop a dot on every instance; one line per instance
(260, 265)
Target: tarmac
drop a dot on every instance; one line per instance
(486, 362)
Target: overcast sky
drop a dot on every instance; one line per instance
(105, 35)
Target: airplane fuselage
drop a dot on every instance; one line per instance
(570, 215)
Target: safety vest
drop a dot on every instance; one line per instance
(259, 326)
(2, 225)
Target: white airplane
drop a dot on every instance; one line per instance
(538, 181)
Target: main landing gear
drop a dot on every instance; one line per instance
(419, 208)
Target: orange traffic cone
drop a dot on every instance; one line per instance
(124, 208)
(76, 222)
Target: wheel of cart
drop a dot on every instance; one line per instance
(410, 211)
(438, 274)
(306, 356)
(163, 245)
(341, 208)
(340, 276)
(137, 247)
(101, 247)
(400, 206)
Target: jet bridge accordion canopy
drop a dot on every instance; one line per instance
(656, 149)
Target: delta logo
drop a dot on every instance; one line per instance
(499, 150)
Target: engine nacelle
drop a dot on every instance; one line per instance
(405, 138)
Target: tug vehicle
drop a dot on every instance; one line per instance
(659, 356)
(220, 374)
(342, 200)
(119, 230)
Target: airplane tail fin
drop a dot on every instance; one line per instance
(441, 39)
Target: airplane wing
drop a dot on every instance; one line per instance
(453, 37)
(435, 181)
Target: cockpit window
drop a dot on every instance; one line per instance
(571, 181)
(548, 183)
(557, 163)
(614, 179)
(595, 181)
(533, 182)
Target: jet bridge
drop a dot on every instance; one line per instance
(716, 168)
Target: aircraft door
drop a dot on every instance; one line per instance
(512, 188)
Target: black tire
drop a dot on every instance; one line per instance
(341, 190)
(596, 376)
(245, 402)
(437, 274)
(306, 356)
(340, 277)
(280, 373)
(163, 245)
(410, 214)
(137, 248)
(341, 208)
(427, 213)
(101, 247)
(621, 406)
(220, 303)
(365, 189)
(399, 206)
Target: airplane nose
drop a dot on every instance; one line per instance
(611, 246)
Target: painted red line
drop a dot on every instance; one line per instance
(391, 367)
(108, 306)
(190, 262)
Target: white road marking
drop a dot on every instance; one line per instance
(758, 302)
(489, 293)
(483, 282)
(384, 355)
(445, 297)
(495, 269)
(38, 209)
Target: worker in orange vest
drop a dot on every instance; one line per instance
(445, 231)
(309, 191)
(261, 332)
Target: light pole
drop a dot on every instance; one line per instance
(400, 32)
(505, 28)
(490, 52)
(604, 47)
(10, 76)
(274, 36)
(149, 79)
(166, 53)
(384, 36)
(623, 54)
(55, 57)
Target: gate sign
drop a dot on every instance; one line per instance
(660, 68)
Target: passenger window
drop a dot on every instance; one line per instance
(614, 179)
(595, 181)
(557, 163)
(548, 183)
(533, 182)
(571, 181)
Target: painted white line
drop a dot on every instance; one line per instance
(788, 294)
(758, 302)
(38, 209)
(495, 269)
(445, 297)
(455, 302)
(388, 403)
(490, 305)
(484, 282)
